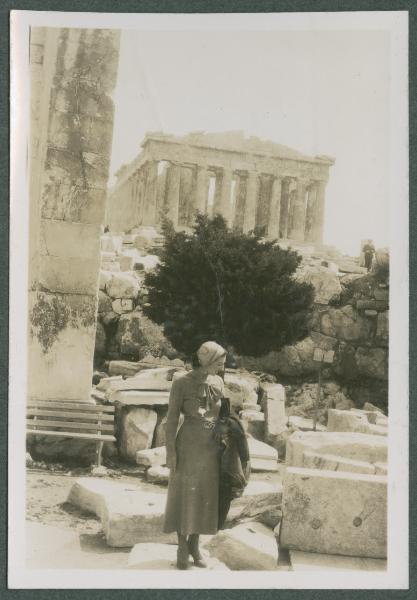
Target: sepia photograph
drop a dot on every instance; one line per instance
(209, 300)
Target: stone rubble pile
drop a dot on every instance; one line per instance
(351, 319)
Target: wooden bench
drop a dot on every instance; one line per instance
(70, 419)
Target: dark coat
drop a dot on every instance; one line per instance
(234, 460)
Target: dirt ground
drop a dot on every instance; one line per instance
(47, 489)
(62, 536)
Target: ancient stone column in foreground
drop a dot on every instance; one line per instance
(275, 208)
(173, 193)
(298, 224)
(251, 202)
(73, 73)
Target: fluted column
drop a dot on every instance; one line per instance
(275, 208)
(173, 193)
(299, 214)
(284, 208)
(201, 189)
(251, 202)
(150, 217)
(317, 232)
(311, 211)
(225, 195)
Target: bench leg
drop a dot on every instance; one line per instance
(98, 453)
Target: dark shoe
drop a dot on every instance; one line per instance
(182, 555)
(195, 552)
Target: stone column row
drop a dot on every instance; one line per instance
(296, 207)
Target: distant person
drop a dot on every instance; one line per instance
(369, 253)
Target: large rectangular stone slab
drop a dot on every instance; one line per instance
(144, 398)
(356, 446)
(135, 517)
(334, 513)
(332, 462)
(273, 403)
(258, 498)
(247, 547)
(129, 513)
(262, 456)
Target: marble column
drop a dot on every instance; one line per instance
(318, 223)
(69, 158)
(284, 208)
(275, 208)
(173, 193)
(225, 195)
(201, 182)
(160, 196)
(299, 212)
(252, 185)
(150, 216)
(310, 211)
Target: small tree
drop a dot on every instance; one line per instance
(230, 287)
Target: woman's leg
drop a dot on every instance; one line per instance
(182, 552)
(193, 541)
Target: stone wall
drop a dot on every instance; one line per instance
(352, 319)
(73, 73)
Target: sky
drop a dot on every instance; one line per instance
(319, 92)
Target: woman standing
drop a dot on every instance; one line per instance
(193, 455)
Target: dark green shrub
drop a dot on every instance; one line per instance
(222, 285)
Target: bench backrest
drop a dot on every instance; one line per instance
(69, 416)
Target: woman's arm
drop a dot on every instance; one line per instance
(174, 409)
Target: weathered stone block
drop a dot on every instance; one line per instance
(151, 457)
(126, 262)
(262, 456)
(261, 501)
(148, 398)
(122, 305)
(158, 474)
(122, 285)
(325, 282)
(62, 333)
(312, 561)
(372, 362)
(353, 523)
(136, 432)
(241, 387)
(123, 367)
(138, 336)
(332, 462)
(135, 517)
(253, 423)
(64, 239)
(346, 420)
(69, 275)
(273, 403)
(345, 324)
(247, 547)
(355, 446)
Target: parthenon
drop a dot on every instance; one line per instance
(256, 185)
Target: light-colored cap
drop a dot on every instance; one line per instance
(209, 352)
